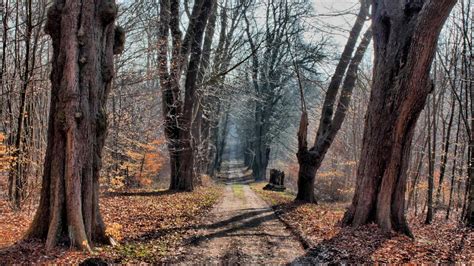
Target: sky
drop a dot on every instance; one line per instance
(338, 25)
(333, 18)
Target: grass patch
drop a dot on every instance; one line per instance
(138, 251)
(272, 197)
(238, 190)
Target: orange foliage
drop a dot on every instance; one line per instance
(5, 158)
(153, 161)
(139, 165)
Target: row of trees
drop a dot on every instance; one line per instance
(190, 68)
(368, 204)
(372, 207)
(396, 102)
(401, 84)
(205, 69)
(24, 102)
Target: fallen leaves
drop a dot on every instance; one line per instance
(149, 226)
(13, 225)
(441, 242)
(114, 230)
(153, 224)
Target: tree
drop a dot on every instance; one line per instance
(405, 39)
(271, 73)
(211, 116)
(185, 58)
(449, 58)
(310, 159)
(467, 85)
(432, 112)
(17, 180)
(200, 126)
(84, 41)
(23, 74)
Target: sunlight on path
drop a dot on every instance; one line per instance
(242, 228)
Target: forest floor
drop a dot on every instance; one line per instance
(318, 228)
(236, 222)
(150, 226)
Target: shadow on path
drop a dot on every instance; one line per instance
(140, 193)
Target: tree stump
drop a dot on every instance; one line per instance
(277, 181)
(94, 262)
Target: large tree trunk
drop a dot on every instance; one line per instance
(84, 41)
(405, 39)
(306, 176)
(200, 119)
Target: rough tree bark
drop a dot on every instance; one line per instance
(84, 41)
(405, 39)
(310, 160)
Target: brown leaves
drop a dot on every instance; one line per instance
(154, 223)
(5, 155)
(142, 213)
(441, 242)
(12, 224)
(149, 226)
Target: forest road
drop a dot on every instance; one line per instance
(243, 229)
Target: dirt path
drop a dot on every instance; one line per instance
(243, 229)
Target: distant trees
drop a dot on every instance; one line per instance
(23, 104)
(212, 117)
(240, 43)
(444, 173)
(274, 56)
(84, 40)
(193, 60)
(466, 29)
(405, 39)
